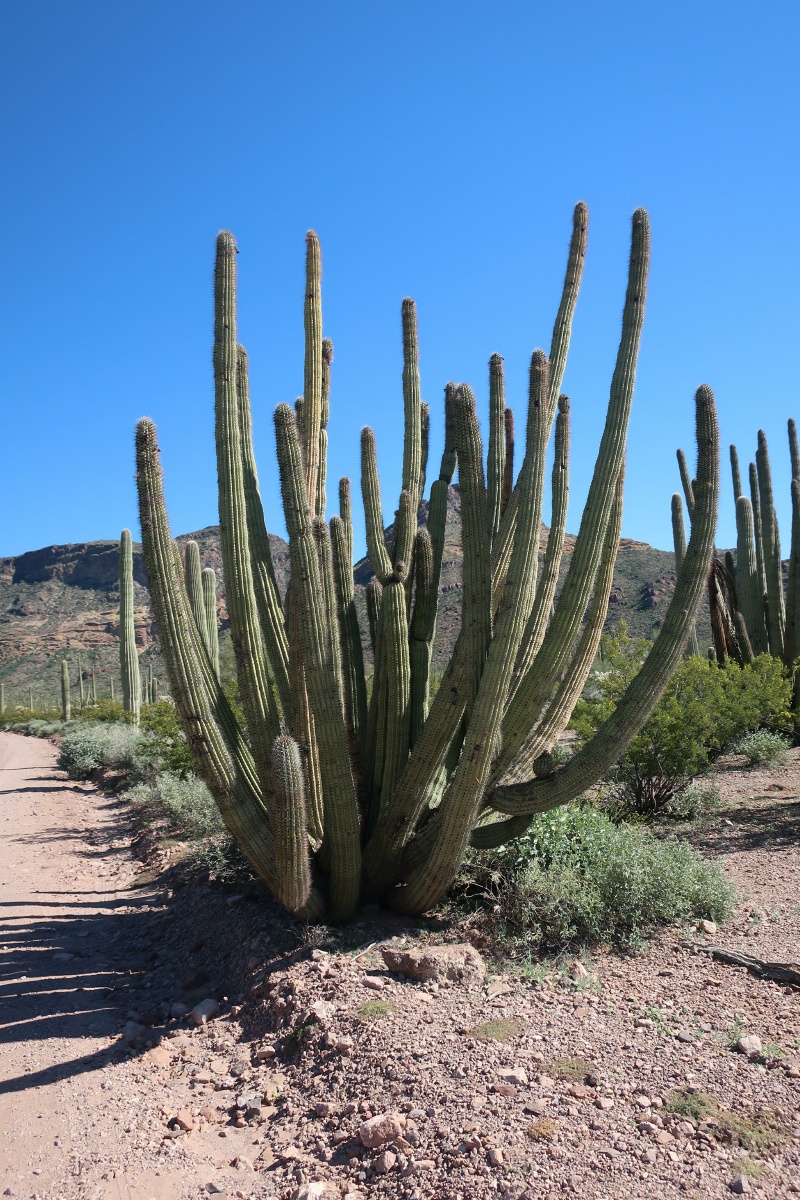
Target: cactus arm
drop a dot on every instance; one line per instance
(772, 550)
(562, 329)
(679, 542)
(128, 658)
(452, 823)
(289, 821)
(322, 478)
(374, 592)
(355, 692)
(373, 514)
(425, 433)
(268, 601)
(258, 702)
(736, 476)
(346, 515)
(208, 579)
(794, 449)
(194, 586)
(395, 715)
(496, 463)
(232, 780)
(756, 503)
(751, 597)
(421, 632)
(412, 408)
(312, 370)
(322, 539)
(545, 593)
(686, 482)
(342, 832)
(508, 473)
(65, 697)
(476, 611)
(641, 697)
(405, 527)
(554, 654)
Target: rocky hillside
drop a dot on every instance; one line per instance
(64, 600)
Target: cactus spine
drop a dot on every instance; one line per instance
(65, 697)
(128, 658)
(333, 800)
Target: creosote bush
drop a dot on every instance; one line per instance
(336, 796)
(85, 747)
(763, 748)
(576, 878)
(183, 804)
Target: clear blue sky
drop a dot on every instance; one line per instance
(438, 149)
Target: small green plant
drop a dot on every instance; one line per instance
(762, 1130)
(762, 748)
(87, 746)
(164, 740)
(576, 1070)
(184, 805)
(745, 1166)
(373, 1010)
(543, 1130)
(502, 1029)
(697, 801)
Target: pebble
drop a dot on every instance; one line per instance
(739, 1185)
(344, 1046)
(517, 1076)
(319, 1190)
(384, 1162)
(265, 1053)
(750, 1045)
(709, 927)
(183, 1119)
(374, 982)
(536, 1106)
(379, 1130)
(495, 1156)
(603, 1102)
(132, 1031)
(202, 1013)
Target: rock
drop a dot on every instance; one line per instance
(379, 1130)
(650, 1156)
(249, 1103)
(579, 1091)
(242, 1164)
(384, 1162)
(209, 1114)
(683, 1035)
(344, 1046)
(505, 1089)
(183, 1119)
(604, 1103)
(321, 1012)
(461, 963)
(202, 1013)
(792, 1068)
(159, 1056)
(319, 1190)
(265, 1053)
(132, 1031)
(686, 1128)
(495, 1156)
(536, 1106)
(642, 1101)
(663, 1138)
(739, 1185)
(517, 1076)
(750, 1045)
(577, 970)
(324, 1109)
(178, 1010)
(374, 982)
(709, 927)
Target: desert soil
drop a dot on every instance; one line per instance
(510, 1086)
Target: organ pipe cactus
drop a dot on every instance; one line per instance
(335, 800)
(755, 612)
(128, 658)
(65, 697)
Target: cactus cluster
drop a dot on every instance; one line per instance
(334, 799)
(128, 658)
(753, 609)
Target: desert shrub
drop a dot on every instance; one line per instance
(85, 747)
(703, 711)
(762, 748)
(184, 804)
(697, 801)
(163, 739)
(107, 712)
(577, 877)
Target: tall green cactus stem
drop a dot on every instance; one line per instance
(772, 550)
(319, 529)
(374, 594)
(757, 527)
(342, 831)
(354, 685)
(546, 589)
(346, 514)
(412, 410)
(423, 623)
(2, 699)
(794, 449)
(113, 697)
(268, 601)
(679, 542)
(312, 370)
(128, 658)
(194, 587)
(496, 464)
(405, 528)
(395, 714)
(94, 688)
(553, 658)
(327, 359)
(292, 859)
(425, 435)
(80, 668)
(208, 579)
(258, 702)
(65, 696)
(508, 474)
(790, 647)
(373, 516)
(736, 475)
(686, 481)
(562, 328)
(609, 744)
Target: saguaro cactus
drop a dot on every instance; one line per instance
(334, 800)
(128, 658)
(65, 697)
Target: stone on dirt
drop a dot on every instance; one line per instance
(202, 1013)
(459, 963)
(749, 1045)
(379, 1130)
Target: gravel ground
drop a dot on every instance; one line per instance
(614, 1077)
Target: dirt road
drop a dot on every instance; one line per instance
(72, 935)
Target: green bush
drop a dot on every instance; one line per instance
(185, 805)
(703, 711)
(86, 747)
(762, 748)
(163, 740)
(697, 801)
(577, 878)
